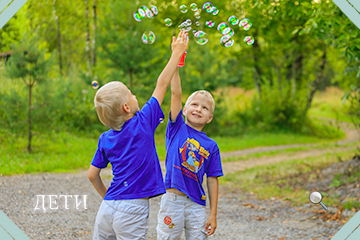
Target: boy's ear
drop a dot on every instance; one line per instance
(210, 119)
(184, 110)
(126, 108)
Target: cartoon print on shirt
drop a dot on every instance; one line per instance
(193, 155)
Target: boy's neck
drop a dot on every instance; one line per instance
(200, 128)
(129, 116)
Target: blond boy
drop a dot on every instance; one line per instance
(190, 155)
(130, 149)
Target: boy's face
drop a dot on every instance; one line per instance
(198, 112)
(133, 103)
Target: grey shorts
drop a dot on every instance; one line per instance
(178, 212)
(122, 219)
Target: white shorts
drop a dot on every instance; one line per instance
(178, 212)
(122, 219)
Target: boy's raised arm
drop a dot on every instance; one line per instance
(176, 93)
(178, 45)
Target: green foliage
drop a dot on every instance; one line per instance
(277, 109)
(28, 62)
(353, 97)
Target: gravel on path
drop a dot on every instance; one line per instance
(240, 215)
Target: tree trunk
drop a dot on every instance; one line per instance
(93, 57)
(58, 33)
(315, 85)
(87, 42)
(29, 119)
(258, 74)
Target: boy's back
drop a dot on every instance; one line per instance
(132, 154)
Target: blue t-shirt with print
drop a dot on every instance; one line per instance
(132, 155)
(190, 154)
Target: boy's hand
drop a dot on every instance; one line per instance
(180, 44)
(211, 222)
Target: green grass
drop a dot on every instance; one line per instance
(65, 152)
(289, 151)
(251, 140)
(58, 152)
(277, 180)
(329, 105)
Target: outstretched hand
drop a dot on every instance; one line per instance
(180, 43)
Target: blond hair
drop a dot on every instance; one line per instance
(108, 101)
(207, 94)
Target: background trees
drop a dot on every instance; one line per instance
(300, 47)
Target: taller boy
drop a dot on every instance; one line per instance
(190, 154)
(130, 148)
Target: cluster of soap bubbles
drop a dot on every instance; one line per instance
(149, 36)
(144, 11)
(186, 25)
(210, 8)
(200, 36)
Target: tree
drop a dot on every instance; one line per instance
(28, 63)
(119, 40)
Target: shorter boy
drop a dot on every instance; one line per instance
(130, 148)
(190, 154)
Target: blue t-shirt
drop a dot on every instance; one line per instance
(132, 154)
(190, 154)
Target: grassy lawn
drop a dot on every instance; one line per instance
(65, 152)
(289, 151)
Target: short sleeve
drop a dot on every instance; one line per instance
(173, 127)
(100, 160)
(152, 112)
(214, 168)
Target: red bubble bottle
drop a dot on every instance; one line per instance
(182, 59)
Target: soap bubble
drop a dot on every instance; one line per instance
(222, 26)
(210, 24)
(228, 31)
(154, 10)
(141, 12)
(183, 8)
(197, 15)
(148, 37)
(194, 7)
(168, 22)
(208, 7)
(245, 24)
(233, 20)
(197, 23)
(137, 16)
(201, 37)
(95, 84)
(249, 40)
(215, 11)
(149, 13)
(226, 41)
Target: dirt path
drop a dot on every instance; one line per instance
(236, 166)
